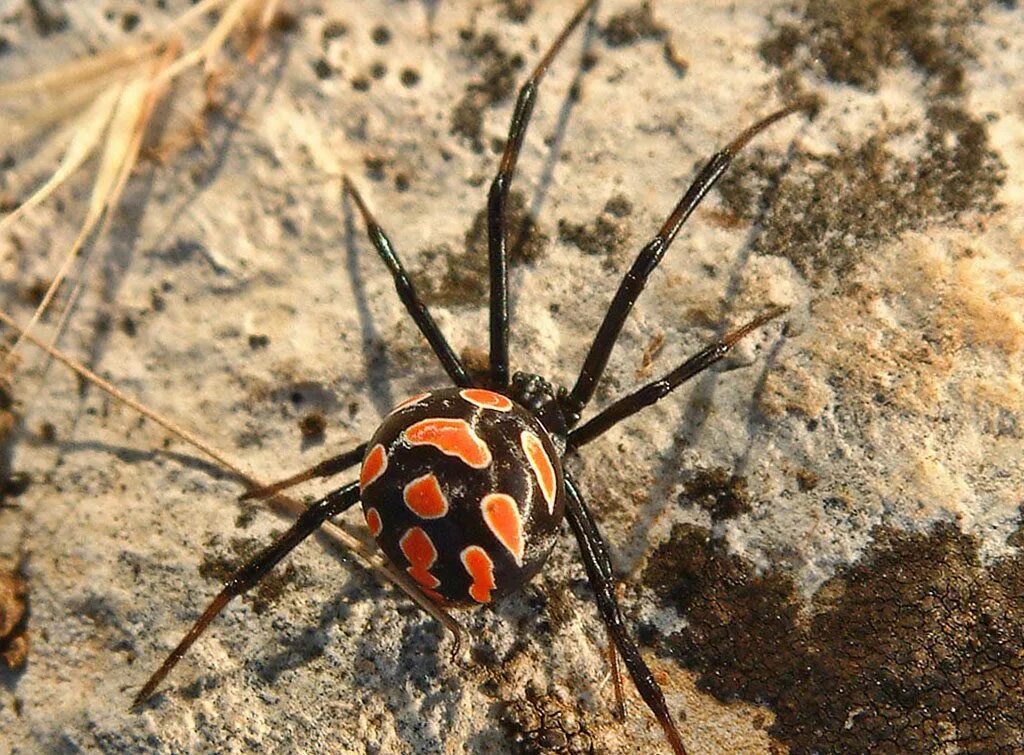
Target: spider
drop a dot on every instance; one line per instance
(465, 487)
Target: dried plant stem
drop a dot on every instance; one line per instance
(122, 112)
(281, 503)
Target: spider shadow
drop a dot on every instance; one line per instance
(669, 474)
(130, 455)
(221, 136)
(569, 101)
(123, 246)
(378, 380)
(407, 680)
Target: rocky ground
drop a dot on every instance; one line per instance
(818, 541)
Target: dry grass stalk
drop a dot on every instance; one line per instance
(280, 503)
(115, 94)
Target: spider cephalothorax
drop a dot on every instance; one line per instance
(538, 396)
(464, 487)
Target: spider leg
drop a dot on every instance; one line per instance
(647, 260)
(413, 304)
(326, 468)
(496, 200)
(252, 572)
(598, 567)
(658, 389)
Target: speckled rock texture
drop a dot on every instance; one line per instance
(819, 541)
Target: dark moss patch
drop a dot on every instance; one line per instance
(313, 425)
(517, 11)
(719, 492)
(464, 281)
(606, 236)
(219, 566)
(409, 77)
(14, 642)
(806, 479)
(47, 17)
(34, 293)
(259, 341)
(854, 41)
(495, 83)
(619, 206)
(824, 212)
(130, 21)
(917, 648)
(333, 30)
(322, 69)
(542, 723)
(632, 26)
(477, 362)
(375, 166)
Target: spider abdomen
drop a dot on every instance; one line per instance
(462, 488)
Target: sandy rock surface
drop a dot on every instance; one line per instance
(818, 540)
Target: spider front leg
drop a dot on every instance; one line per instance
(647, 260)
(407, 293)
(497, 198)
(597, 564)
(245, 579)
(658, 389)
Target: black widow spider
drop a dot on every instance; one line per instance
(464, 486)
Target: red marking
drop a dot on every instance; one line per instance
(425, 498)
(481, 569)
(487, 399)
(542, 467)
(374, 464)
(417, 546)
(453, 437)
(411, 400)
(373, 522)
(502, 517)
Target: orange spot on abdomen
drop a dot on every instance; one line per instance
(487, 399)
(374, 464)
(542, 467)
(373, 521)
(419, 549)
(425, 498)
(481, 569)
(453, 437)
(502, 517)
